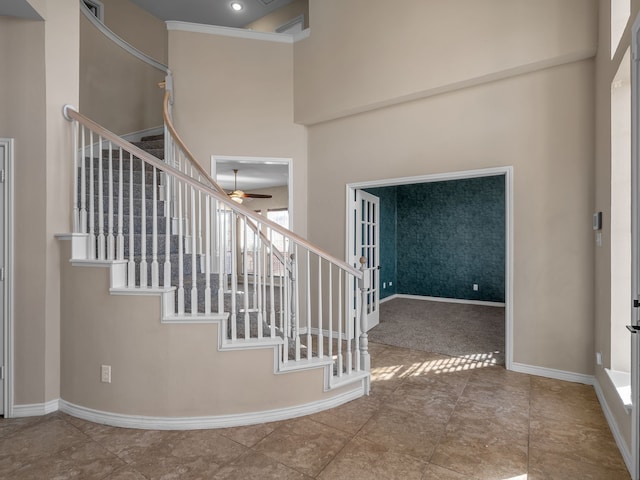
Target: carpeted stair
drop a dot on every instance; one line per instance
(154, 145)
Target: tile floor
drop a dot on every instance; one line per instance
(428, 417)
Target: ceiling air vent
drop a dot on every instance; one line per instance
(266, 3)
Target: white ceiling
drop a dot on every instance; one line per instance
(252, 175)
(210, 12)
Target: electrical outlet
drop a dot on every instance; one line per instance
(384, 284)
(391, 284)
(475, 287)
(105, 373)
(599, 358)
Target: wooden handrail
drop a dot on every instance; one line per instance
(194, 161)
(70, 113)
(176, 138)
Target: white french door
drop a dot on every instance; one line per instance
(364, 239)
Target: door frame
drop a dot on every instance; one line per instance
(635, 247)
(7, 285)
(439, 177)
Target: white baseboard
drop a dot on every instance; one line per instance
(553, 373)
(35, 409)
(443, 299)
(622, 446)
(204, 422)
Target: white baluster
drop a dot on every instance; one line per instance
(222, 251)
(296, 303)
(245, 279)
(101, 237)
(364, 358)
(111, 239)
(339, 344)
(200, 249)
(180, 253)
(194, 252)
(120, 238)
(187, 215)
(272, 286)
(207, 256)
(320, 334)
(155, 273)
(233, 222)
(348, 327)
(83, 187)
(143, 227)
(131, 265)
(166, 277)
(75, 217)
(330, 305)
(308, 303)
(257, 267)
(92, 213)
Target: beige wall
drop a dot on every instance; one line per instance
(138, 27)
(117, 90)
(270, 22)
(23, 118)
(540, 122)
(235, 98)
(39, 76)
(369, 53)
(542, 125)
(162, 369)
(606, 69)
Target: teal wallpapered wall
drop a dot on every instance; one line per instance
(443, 237)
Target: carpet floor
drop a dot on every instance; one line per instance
(455, 329)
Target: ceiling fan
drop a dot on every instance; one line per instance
(238, 195)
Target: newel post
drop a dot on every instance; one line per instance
(364, 284)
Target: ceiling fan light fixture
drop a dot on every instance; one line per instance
(236, 6)
(236, 199)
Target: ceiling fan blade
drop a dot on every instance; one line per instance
(257, 195)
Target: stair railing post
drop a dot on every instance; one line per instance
(364, 285)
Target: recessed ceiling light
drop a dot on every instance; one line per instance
(237, 6)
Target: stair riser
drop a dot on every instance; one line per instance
(150, 144)
(126, 191)
(115, 162)
(137, 225)
(126, 210)
(187, 270)
(137, 177)
(173, 246)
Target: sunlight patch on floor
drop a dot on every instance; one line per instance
(437, 366)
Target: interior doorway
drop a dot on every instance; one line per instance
(505, 174)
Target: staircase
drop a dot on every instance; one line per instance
(165, 228)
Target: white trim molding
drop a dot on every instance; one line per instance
(205, 422)
(36, 409)
(7, 285)
(120, 42)
(446, 300)
(613, 426)
(236, 32)
(553, 373)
